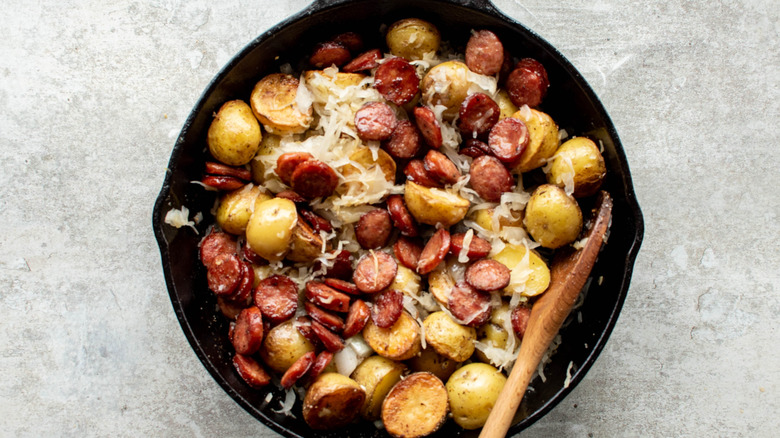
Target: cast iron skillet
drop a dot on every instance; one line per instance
(571, 103)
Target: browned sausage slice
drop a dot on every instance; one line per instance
(328, 319)
(478, 247)
(415, 171)
(313, 179)
(396, 79)
(429, 126)
(471, 306)
(244, 289)
(434, 252)
(213, 168)
(224, 274)
(408, 251)
(356, 318)
(329, 53)
(441, 168)
(322, 362)
(252, 257)
(401, 217)
(214, 244)
(478, 114)
(373, 229)
(405, 141)
(317, 222)
(365, 61)
(528, 83)
(536, 67)
(277, 298)
(484, 53)
(475, 148)
(330, 340)
(375, 121)
(488, 275)
(520, 316)
(375, 271)
(220, 182)
(508, 139)
(351, 40)
(388, 306)
(303, 324)
(248, 332)
(298, 369)
(342, 265)
(327, 297)
(490, 178)
(252, 372)
(288, 162)
(292, 196)
(342, 285)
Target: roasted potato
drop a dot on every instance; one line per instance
(322, 84)
(484, 218)
(552, 217)
(446, 84)
(283, 345)
(236, 207)
(530, 274)
(274, 103)
(332, 401)
(493, 333)
(435, 206)
(400, 341)
(431, 361)
(406, 281)
(543, 139)
(412, 38)
(376, 375)
(473, 390)
(416, 406)
(440, 283)
(306, 245)
(579, 162)
(365, 158)
(449, 338)
(234, 134)
(505, 104)
(268, 146)
(270, 228)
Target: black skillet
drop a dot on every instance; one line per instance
(571, 103)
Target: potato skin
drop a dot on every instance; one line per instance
(365, 158)
(270, 228)
(431, 205)
(453, 78)
(267, 146)
(552, 217)
(236, 207)
(305, 245)
(581, 160)
(332, 401)
(283, 345)
(430, 361)
(234, 134)
(449, 338)
(376, 375)
(543, 139)
(416, 406)
(473, 390)
(538, 280)
(273, 103)
(400, 341)
(493, 332)
(484, 218)
(411, 38)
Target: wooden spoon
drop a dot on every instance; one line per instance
(570, 269)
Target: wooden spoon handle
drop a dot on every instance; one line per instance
(568, 274)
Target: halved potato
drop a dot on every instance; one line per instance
(234, 135)
(323, 84)
(552, 217)
(400, 341)
(406, 281)
(505, 105)
(377, 375)
(484, 218)
(449, 338)
(236, 207)
(332, 401)
(543, 139)
(440, 283)
(446, 84)
(268, 146)
(435, 206)
(306, 244)
(493, 333)
(578, 162)
(431, 361)
(274, 104)
(530, 275)
(283, 345)
(416, 406)
(365, 158)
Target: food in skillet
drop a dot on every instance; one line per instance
(374, 243)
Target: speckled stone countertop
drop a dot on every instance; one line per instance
(94, 93)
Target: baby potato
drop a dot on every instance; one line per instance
(543, 139)
(270, 228)
(365, 158)
(406, 281)
(530, 276)
(473, 390)
(484, 218)
(234, 134)
(237, 206)
(274, 104)
(440, 283)
(411, 38)
(431, 361)
(416, 406)
(268, 145)
(283, 345)
(400, 341)
(376, 375)
(449, 338)
(552, 217)
(322, 84)
(493, 333)
(580, 160)
(505, 105)
(306, 245)
(433, 206)
(332, 401)
(446, 84)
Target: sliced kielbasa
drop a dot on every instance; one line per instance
(408, 251)
(415, 171)
(441, 168)
(490, 178)
(471, 306)
(351, 40)
(314, 179)
(252, 372)
(364, 61)
(373, 229)
(396, 79)
(342, 265)
(248, 331)
(288, 162)
(400, 215)
(290, 195)
(251, 256)
(405, 140)
(520, 317)
(327, 297)
(343, 286)
(224, 274)
(536, 67)
(478, 114)
(375, 121)
(328, 319)
(216, 243)
(213, 168)
(329, 53)
(298, 369)
(434, 252)
(488, 275)
(330, 340)
(375, 271)
(528, 83)
(356, 318)
(429, 126)
(303, 325)
(277, 298)
(484, 53)
(475, 148)
(244, 289)
(388, 306)
(320, 363)
(478, 247)
(220, 182)
(508, 139)
(317, 222)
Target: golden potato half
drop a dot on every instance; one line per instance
(543, 139)
(332, 401)
(416, 406)
(274, 104)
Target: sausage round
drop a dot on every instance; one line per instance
(490, 178)
(351, 40)
(244, 289)
(527, 84)
(288, 162)
(290, 195)
(252, 372)
(328, 319)
(388, 306)
(471, 306)
(408, 251)
(357, 318)
(415, 171)
(374, 272)
(248, 331)
(313, 179)
(400, 216)
(343, 286)
(405, 141)
(329, 53)
(215, 244)
(441, 168)
(375, 121)
(429, 126)
(327, 297)
(434, 252)
(477, 115)
(364, 61)
(488, 275)
(520, 316)
(508, 139)
(298, 369)
(224, 274)
(330, 340)
(277, 298)
(251, 256)
(484, 53)
(220, 182)
(303, 325)
(213, 168)
(320, 363)
(475, 148)
(396, 79)
(317, 222)
(536, 67)
(342, 265)
(373, 229)
(478, 247)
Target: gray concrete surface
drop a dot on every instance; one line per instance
(93, 94)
